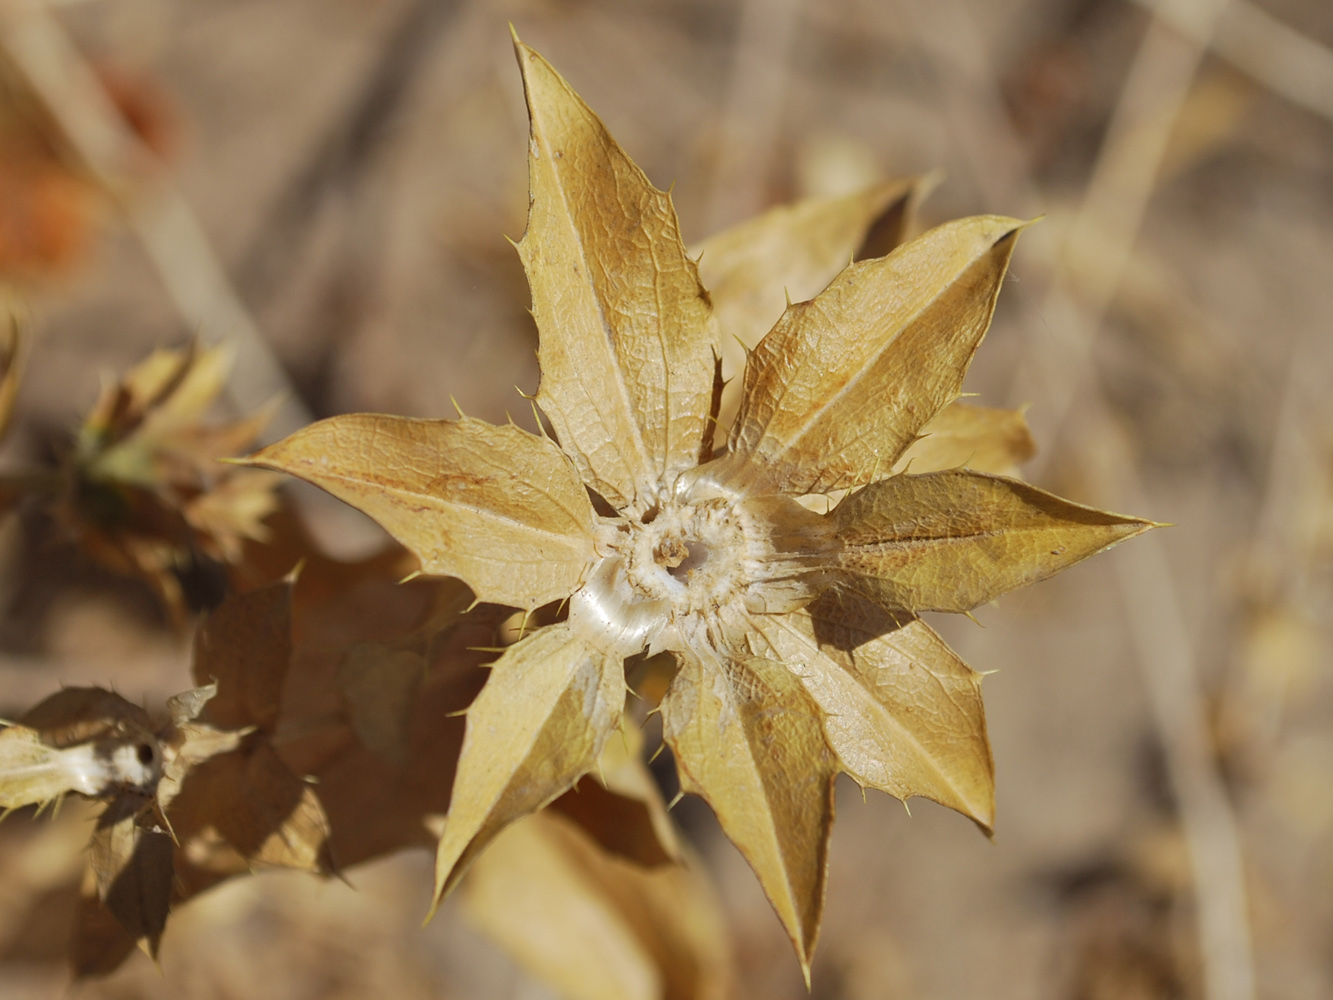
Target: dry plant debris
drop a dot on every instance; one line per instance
(799, 648)
(141, 489)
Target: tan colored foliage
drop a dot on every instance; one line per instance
(795, 633)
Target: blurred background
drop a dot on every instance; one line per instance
(335, 178)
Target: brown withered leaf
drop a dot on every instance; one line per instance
(901, 711)
(950, 541)
(593, 926)
(376, 799)
(263, 810)
(620, 807)
(381, 686)
(132, 864)
(249, 796)
(508, 512)
(789, 254)
(538, 725)
(146, 494)
(748, 739)
(244, 648)
(715, 561)
(187, 743)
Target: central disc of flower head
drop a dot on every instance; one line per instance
(667, 578)
(689, 555)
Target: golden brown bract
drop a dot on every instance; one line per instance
(793, 621)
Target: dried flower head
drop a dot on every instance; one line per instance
(799, 648)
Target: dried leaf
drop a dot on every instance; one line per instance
(619, 805)
(748, 739)
(538, 725)
(840, 388)
(902, 712)
(147, 496)
(187, 743)
(628, 344)
(594, 927)
(381, 686)
(377, 804)
(133, 868)
(497, 507)
(244, 648)
(949, 541)
(790, 254)
(263, 810)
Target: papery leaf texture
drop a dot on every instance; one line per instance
(950, 541)
(901, 711)
(538, 726)
(497, 507)
(747, 737)
(790, 253)
(628, 346)
(840, 388)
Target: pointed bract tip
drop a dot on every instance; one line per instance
(294, 574)
(434, 909)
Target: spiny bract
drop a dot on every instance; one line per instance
(796, 634)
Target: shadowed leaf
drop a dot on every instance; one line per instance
(263, 810)
(133, 869)
(620, 806)
(976, 437)
(949, 541)
(244, 647)
(596, 927)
